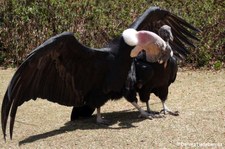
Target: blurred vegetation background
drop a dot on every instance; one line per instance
(25, 24)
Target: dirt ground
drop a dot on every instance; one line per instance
(199, 96)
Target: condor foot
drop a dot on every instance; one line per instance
(166, 111)
(102, 121)
(150, 115)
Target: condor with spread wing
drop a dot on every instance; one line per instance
(64, 71)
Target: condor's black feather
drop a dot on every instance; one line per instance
(158, 80)
(64, 71)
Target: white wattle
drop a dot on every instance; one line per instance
(130, 37)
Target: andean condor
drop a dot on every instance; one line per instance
(64, 71)
(147, 77)
(154, 77)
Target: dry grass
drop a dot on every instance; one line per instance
(198, 95)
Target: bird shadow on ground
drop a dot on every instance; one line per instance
(124, 120)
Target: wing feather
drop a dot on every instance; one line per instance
(184, 33)
(181, 33)
(52, 71)
(181, 28)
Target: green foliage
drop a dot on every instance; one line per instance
(25, 24)
(203, 58)
(2, 57)
(217, 65)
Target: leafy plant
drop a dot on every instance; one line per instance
(25, 24)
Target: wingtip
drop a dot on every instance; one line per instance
(12, 121)
(4, 131)
(185, 23)
(6, 106)
(3, 115)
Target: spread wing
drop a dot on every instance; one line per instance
(61, 70)
(184, 33)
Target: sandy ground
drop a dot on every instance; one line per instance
(199, 96)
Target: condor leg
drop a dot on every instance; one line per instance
(100, 119)
(166, 110)
(149, 110)
(163, 94)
